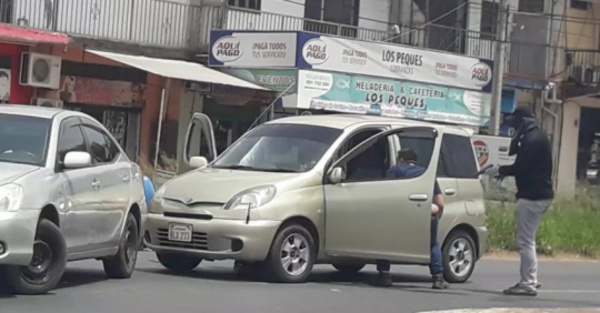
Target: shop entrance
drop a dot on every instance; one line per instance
(588, 154)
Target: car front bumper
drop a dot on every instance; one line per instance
(17, 233)
(216, 239)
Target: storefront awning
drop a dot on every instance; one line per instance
(176, 69)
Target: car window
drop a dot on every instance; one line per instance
(101, 147)
(370, 165)
(24, 139)
(421, 145)
(70, 139)
(279, 148)
(354, 140)
(375, 163)
(458, 159)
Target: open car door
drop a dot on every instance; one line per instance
(200, 148)
(368, 215)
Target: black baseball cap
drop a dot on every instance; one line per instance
(520, 113)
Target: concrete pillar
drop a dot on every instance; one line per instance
(567, 163)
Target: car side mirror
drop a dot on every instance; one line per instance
(337, 175)
(77, 159)
(198, 162)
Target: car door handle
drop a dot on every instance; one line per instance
(96, 184)
(450, 192)
(126, 178)
(418, 197)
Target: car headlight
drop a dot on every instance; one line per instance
(251, 198)
(11, 197)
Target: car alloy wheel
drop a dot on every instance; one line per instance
(292, 255)
(461, 257)
(295, 254)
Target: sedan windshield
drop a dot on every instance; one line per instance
(279, 148)
(23, 139)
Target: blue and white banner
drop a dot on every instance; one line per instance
(405, 63)
(308, 51)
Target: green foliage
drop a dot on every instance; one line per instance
(571, 226)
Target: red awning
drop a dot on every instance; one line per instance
(26, 35)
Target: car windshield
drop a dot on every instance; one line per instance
(23, 139)
(279, 148)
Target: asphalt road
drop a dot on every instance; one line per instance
(214, 287)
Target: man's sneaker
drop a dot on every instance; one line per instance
(538, 285)
(439, 283)
(521, 290)
(383, 279)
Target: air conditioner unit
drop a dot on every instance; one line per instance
(49, 103)
(40, 70)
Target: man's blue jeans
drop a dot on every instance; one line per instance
(436, 267)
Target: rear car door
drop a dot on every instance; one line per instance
(460, 164)
(370, 216)
(112, 195)
(77, 190)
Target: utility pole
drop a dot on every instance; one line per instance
(498, 74)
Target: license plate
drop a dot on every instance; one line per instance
(180, 232)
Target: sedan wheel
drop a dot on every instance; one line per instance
(459, 257)
(47, 264)
(292, 255)
(123, 263)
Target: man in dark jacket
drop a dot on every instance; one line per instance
(533, 175)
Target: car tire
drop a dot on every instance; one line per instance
(178, 263)
(298, 244)
(123, 263)
(47, 264)
(349, 268)
(459, 256)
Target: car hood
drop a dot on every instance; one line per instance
(10, 172)
(219, 185)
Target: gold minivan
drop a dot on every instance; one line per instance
(303, 190)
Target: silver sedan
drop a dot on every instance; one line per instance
(67, 192)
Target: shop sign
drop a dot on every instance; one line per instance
(391, 98)
(318, 52)
(276, 80)
(252, 49)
